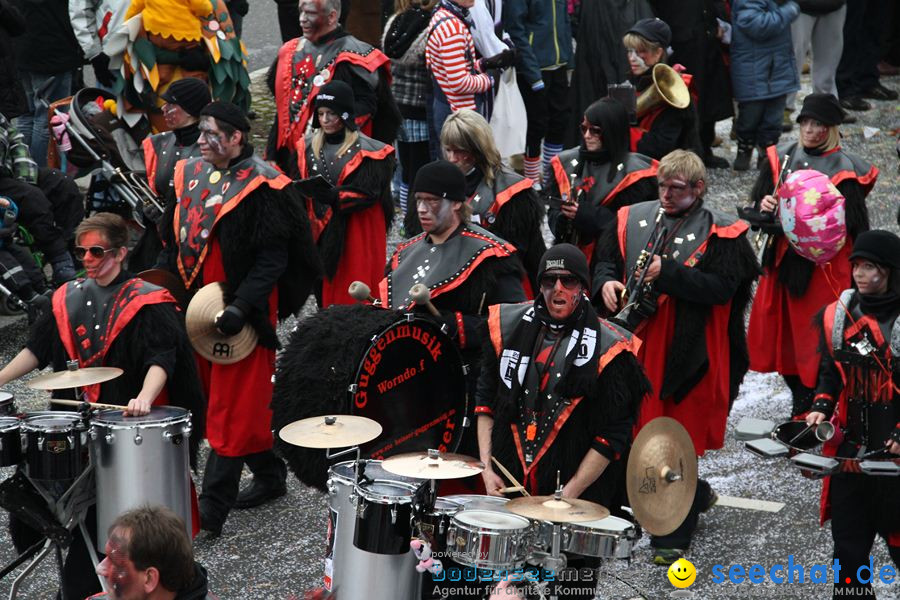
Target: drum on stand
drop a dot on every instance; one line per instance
(10, 441)
(7, 404)
(351, 572)
(141, 460)
(55, 445)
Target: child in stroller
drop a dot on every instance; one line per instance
(23, 285)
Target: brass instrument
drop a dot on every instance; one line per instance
(764, 239)
(667, 87)
(636, 290)
(569, 234)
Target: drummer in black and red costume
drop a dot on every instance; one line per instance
(559, 391)
(859, 389)
(350, 221)
(596, 179)
(110, 319)
(325, 52)
(232, 221)
(792, 290)
(692, 323)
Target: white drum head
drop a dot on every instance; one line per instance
(490, 519)
(609, 524)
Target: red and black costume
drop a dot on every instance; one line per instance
(303, 67)
(664, 128)
(350, 229)
(240, 226)
(858, 384)
(781, 335)
(130, 324)
(692, 322)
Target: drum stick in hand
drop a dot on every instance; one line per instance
(90, 404)
(509, 476)
(421, 295)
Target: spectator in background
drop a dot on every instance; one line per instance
(542, 34)
(91, 21)
(12, 95)
(763, 72)
(696, 44)
(46, 50)
(857, 73)
(404, 41)
(819, 29)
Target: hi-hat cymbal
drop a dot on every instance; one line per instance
(64, 380)
(432, 464)
(337, 431)
(200, 322)
(662, 475)
(564, 510)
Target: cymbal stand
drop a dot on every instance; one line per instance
(555, 561)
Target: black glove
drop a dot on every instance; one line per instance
(895, 435)
(231, 321)
(332, 197)
(194, 59)
(100, 63)
(507, 58)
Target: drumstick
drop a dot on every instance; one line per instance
(421, 295)
(511, 489)
(90, 404)
(509, 476)
(361, 292)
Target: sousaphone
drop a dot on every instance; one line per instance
(668, 87)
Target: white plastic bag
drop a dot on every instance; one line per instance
(509, 119)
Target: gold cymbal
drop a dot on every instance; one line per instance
(564, 510)
(65, 380)
(337, 431)
(200, 322)
(432, 464)
(662, 475)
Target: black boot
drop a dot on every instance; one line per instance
(744, 154)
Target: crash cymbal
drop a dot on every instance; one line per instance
(338, 431)
(662, 475)
(432, 464)
(564, 510)
(200, 321)
(65, 380)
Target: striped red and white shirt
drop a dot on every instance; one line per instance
(450, 55)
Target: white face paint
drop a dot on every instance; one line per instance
(638, 65)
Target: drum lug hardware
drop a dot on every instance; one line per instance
(332, 489)
(444, 329)
(138, 439)
(40, 444)
(393, 515)
(187, 430)
(361, 510)
(465, 369)
(409, 318)
(352, 388)
(175, 438)
(466, 422)
(110, 438)
(71, 439)
(93, 435)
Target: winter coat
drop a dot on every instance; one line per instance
(48, 45)
(762, 54)
(93, 20)
(540, 30)
(12, 94)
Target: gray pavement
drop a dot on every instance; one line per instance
(276, 551)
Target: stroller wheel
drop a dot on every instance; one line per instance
(10, 307)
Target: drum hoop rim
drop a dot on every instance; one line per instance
(32, 424)
(461, 513)
(362, 492)
(99, 422)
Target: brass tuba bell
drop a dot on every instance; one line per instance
(667, 87)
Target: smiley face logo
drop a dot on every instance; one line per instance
(682, 573)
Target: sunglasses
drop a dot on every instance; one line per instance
(593, 129)
(95, 251)
(570, 282)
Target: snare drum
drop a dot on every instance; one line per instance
(54, 445)
(611, 537)
(477, 502)
(10, 441)
(488, 539)
(141, 460)
(433, 524)
(7, 404)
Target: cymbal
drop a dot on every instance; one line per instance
(338, 431)
(564, 510)
(200, 322)
(64, 380)
(662, 475)
(432, 464)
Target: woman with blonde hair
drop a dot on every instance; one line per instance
(349, 221)
(502, 201)
(781, 336)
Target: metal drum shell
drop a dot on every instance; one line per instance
(434, 524)
(483, 546)
(10, 441)
(54, 445)
(141, 460)
(354, 573)
(612, 537)
(7, 404)
(384, 516)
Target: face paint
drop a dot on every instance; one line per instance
(119, 570)
(638, 65)
(561, 301)
(435, 214)
(313, 19)
(869, 277)
(98, 268)
(676, 195)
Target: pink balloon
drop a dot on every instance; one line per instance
(812, 215)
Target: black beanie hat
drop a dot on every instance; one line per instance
(823, 108)
(880, 246)
(338, 96)
(226, 112)
(568, 257)
(653, 30)
(443, 179)
(189, 93)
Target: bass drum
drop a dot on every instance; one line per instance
(397, 369)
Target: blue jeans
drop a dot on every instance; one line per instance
(759, 121)
(34, 124)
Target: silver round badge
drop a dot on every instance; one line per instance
(204, 233)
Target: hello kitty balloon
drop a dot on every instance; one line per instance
(812, 215)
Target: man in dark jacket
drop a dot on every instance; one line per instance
(12, 95)
(857, 73)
